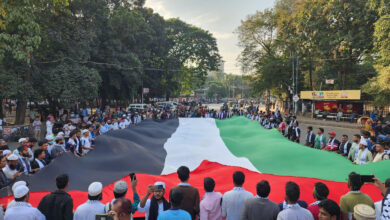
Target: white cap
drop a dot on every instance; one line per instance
(22, 139)
(95, 188)
(49, 137)
(5, 152)
(363, 142)
(20, 191)
(160, 184)
(364, 212)
(84, 131)
(12, 157)
(60, 134)
(19, 183)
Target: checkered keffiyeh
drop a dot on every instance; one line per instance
(386, 208)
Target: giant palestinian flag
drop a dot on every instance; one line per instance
(210, 148)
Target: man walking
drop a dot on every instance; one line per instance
(310, 137)
(260, 207)
(233, 201)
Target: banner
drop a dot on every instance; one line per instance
(331, 95)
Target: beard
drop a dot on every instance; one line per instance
(12, 166)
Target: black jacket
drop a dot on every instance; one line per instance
(57, 205)
(34, 164)
(310, 140)
(342, 147)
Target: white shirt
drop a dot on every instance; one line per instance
(8, 172)
(233, 201)
(86, 143)
(147, 208)
(122, 125)
(295, 212)
(88, 210)
(23, 211)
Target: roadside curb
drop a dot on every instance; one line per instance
(328, 123)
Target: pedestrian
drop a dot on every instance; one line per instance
(37, 127)
(120, 191)
(23, 161)
(22, 209)
(381, 154)
(345, 146)
(320, 140)
(157, 204)
(58, 205)
(86, 144)
(310, 137)
(260, 207)
(329, 210)
(38, 163)
(4, 181)
(354, 196)
(364, 155)
(333, 144)
(233, 201)
(176, 196)
(93, 206)
(294, 210)
(58, 148)
(320, 193)
(14, 186)
(210, 206)
(191, 199)
(353, 152)
(44, 145)
(296, 133)
(49, 125)
(11, 169)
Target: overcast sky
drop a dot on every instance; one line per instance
(220, 17)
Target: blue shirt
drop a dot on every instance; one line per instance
(171, 214)
(103, 129)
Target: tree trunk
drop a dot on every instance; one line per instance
(20, 112)
(1, 110)
(311, 74)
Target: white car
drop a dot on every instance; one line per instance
(138, 107)
(172, 105)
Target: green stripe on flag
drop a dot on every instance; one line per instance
(272, 153)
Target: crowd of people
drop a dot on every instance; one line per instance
(185, 203)
(363, 148)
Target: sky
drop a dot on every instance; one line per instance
(220, 17)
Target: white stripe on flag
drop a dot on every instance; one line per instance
(196, 140)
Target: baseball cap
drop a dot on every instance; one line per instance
(332, 133)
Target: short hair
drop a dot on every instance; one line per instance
(310, 128)
(357, 135)
(331, 207)
(119, 195)
(209, 184)
(38, 152)
(366, 133)
(238, 178)
(292, 191)
(321, 129)
(2, 156)
(321, 191)
(355, 181)
(32, 140)
(62, 180)
(373, 138)
(263, 188)
(176, 197)
(183, 173)
(344, 135)
(42, 142)
(74, 132)
(58, 139)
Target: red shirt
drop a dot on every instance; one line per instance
(315, 210)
